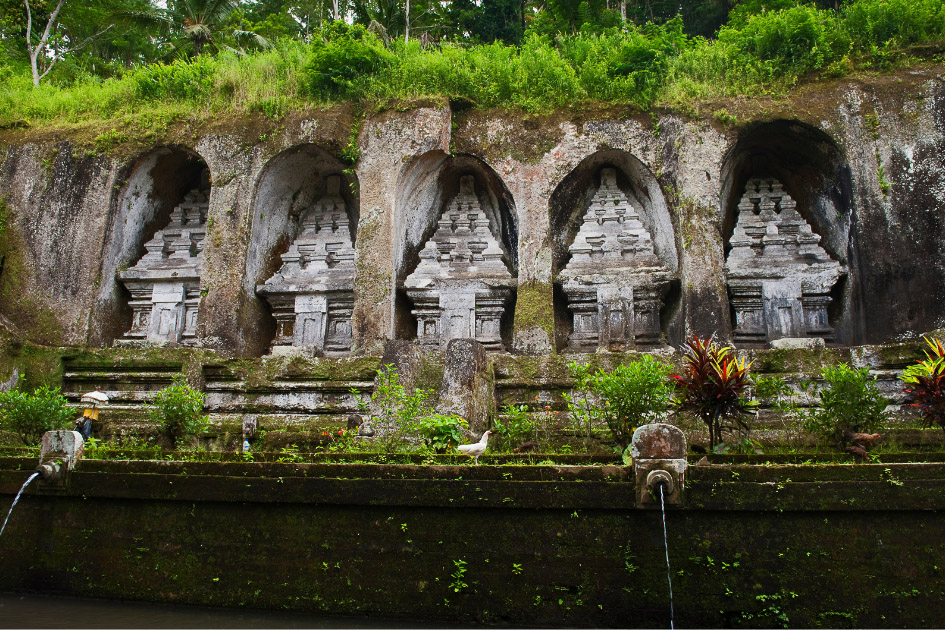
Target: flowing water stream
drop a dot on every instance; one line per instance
(669, 578)
(32, 477)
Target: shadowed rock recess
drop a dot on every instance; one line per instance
(478, 253)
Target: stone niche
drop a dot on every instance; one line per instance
(461, 286)
(165, 282)
(614, 282)
(312, 294)
(779, 277)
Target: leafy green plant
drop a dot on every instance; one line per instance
(714, 386)
(178, 411)
(343, 59)
(849, 401)
(459, 576)
(395, 411)
(513, 427)
(290, 454)
(342, 440)
(924, 383)
(30, 414)
(622, 399)
(442, 432)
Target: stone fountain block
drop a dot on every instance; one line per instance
(65, 445)
(659, 446)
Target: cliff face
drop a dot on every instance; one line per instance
(862, 160)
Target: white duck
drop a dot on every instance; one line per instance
(477, 449)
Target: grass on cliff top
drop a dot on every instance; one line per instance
(651, 65)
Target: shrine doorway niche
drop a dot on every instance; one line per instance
(291, 190)
(801, 165)
(632, 241)
(427, 186)
(152, 185)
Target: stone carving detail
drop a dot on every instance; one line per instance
(312, 295)
(165, 282)
(779, 277)
(461, 286)
(614, 282)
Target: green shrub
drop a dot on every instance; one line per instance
(187, 80)
(178, 411)
(514, 427)
(795, 40)
(875, 24)
(441, 433)
(396, 412)
(29, 415)
(623, 399)
(849, 401)
(344, 58)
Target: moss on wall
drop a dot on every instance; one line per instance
(30, 317)
(534, 307)
(492, 545)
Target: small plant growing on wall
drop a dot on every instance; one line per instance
(30, 414)
(849, 402)
(622, 399)
(924, 383)
(178, 410)
(714, 386)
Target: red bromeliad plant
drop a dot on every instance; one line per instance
(925, 384)
(713, 386)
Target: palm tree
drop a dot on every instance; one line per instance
(193, 25)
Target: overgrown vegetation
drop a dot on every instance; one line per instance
(29, 414)
(553, 65)
(849, 401)
(622, 399)
(402, 420)
(178, 410)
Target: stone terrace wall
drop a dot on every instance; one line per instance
(862, 160)
(798, 546)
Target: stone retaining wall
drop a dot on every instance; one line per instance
(799, 546)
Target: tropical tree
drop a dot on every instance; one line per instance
(52, 45)
(193, 27)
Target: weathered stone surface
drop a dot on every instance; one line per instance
(65, 445)
(779, 277)
(862, 160)
(658, 441)
(165, 283)
(312, 294)
(466, 389)
(614, 282)
(461, 285)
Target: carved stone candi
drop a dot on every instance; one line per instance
(312, 295)
(779, 277)
(461, 286)
(614, 282)
(165, 282)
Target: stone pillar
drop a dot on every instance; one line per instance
(389, 143)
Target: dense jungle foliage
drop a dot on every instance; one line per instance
(270, 56)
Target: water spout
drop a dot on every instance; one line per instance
(669, 578)
(18, 494)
